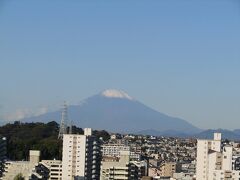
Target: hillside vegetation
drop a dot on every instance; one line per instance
(21, 137)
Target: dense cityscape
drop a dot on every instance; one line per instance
(118, 156)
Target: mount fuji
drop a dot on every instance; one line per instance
(116, 111)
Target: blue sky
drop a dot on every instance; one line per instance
(181, 57)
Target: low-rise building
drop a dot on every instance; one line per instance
(47, 169)
(13, 168)
(122, 168)
(167, 169)
(55, 169)
(113, 150)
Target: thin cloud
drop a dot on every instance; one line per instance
(24, 113)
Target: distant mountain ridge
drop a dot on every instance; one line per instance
(116, 111)
(226, 134)
(237, 131)
(168, 133)
(206, 134)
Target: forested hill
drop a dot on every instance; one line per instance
(21, 137)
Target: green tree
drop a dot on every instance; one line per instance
(19, 177)
(22, 137)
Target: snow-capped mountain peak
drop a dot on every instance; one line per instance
(114, 93)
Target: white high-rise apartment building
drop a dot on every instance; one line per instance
(203, 149)
(215, 162)
(227, 154)
(81, 156)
